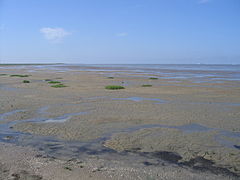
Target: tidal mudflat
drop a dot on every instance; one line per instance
(184, 124)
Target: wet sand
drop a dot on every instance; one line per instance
(172, 130)
(25, 163)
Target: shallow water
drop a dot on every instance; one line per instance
(64, 148)
(6, 129)
(216, 103)
(193, 72)
(4, 115)
(63, 118)
(162, 101)
(8, 88)
(67, 150)
(138, 99)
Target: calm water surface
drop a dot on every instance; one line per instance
(195, 72)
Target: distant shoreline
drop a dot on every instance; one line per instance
(200, 64)
(30, 64)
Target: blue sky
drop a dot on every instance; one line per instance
(120, 31)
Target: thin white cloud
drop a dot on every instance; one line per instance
(122, 34)
(54, 34)
(203, 1)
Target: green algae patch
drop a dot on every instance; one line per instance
(26, 81)
(153, 78)
(146, 85)
(59, 86)
(114, 87)
(68, 168)
(54, 82)
(19, 75)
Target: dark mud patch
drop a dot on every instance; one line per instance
(169, 157)
(21, 175)
(4, 171)
(198, 163)
(146, 163)
(98, 151)
(24, 175)
(205, 165)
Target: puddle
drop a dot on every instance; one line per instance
(236, 146)
(6, 130)
(43, 110)
(8, 88)
(96, 97)
(63, 118)
(138, 99)
(192, 128)
(215, 103)
(5, 115)
(57, 120)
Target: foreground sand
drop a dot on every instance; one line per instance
(178, 130)
(21, 163)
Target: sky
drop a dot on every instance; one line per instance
(120, 31)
